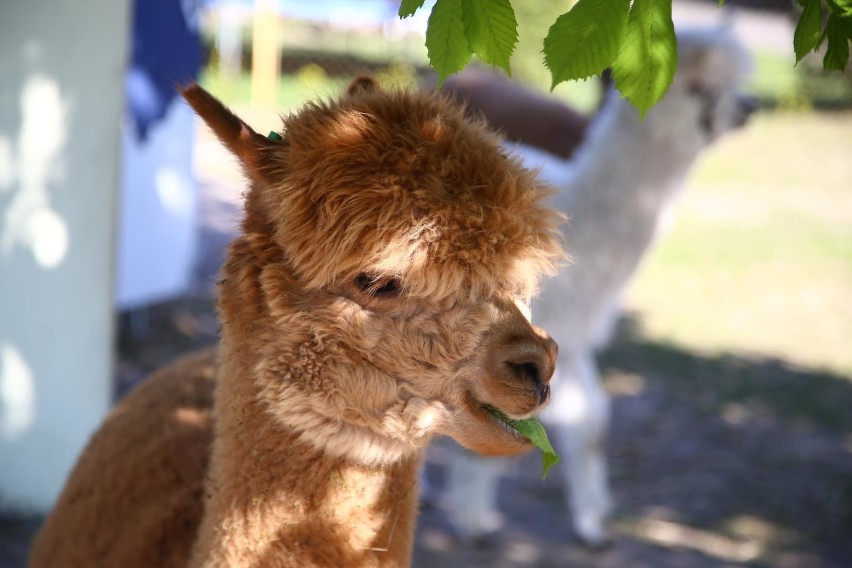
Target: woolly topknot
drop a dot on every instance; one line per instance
(401, 184)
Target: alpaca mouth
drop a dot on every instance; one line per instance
(497, 417)
(485, 413)
(533, 431)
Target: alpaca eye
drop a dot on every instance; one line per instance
(378, 286)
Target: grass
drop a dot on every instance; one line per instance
(779, 82)
(760, 259)
(293, 90)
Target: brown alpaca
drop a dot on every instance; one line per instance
(371, 301)
(518, 112)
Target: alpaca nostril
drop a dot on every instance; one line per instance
(528, 371)
(543, 393)
(525, 360)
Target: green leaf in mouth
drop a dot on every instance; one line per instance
(532, 430)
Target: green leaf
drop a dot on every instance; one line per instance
(532, 430)
(808, 35)
(840, 7)
(446, 43)
(646, 64)
(408, 7)
(491, 30)
(838, 30)
(585, 40)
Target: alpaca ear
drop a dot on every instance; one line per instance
(253, 150)
(363, 85)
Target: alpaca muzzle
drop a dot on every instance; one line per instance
(527, 361)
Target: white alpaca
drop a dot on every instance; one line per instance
(615, 192)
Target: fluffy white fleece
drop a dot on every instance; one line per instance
(617, 192)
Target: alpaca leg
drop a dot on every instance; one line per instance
(472, 494)
(578, 415)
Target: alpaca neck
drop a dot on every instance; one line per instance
(275, 500)
(630, 163)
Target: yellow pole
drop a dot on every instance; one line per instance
(265, 66)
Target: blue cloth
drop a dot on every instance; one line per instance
(165, 53)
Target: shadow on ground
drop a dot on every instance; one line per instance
(716, 460)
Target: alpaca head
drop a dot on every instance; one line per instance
(394, 247)
(705, 99)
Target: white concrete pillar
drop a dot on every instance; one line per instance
(61, 92)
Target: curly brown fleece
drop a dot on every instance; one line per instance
(370, 302)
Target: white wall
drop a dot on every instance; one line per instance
(61, 93)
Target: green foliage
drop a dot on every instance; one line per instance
(838, 30)
(586, 39)
(448, 48)
(635, 38)
(646, 63)
(491, 30)
(409, 7)
(458, 29)
(841, 7)
(534, 431)
(808, 34)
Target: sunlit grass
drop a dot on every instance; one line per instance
(779, 82)
(760, 259)
(293, 90)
